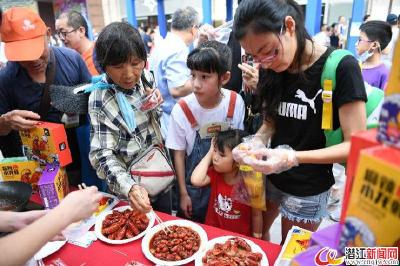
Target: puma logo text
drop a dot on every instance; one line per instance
(302, 96)
(298, 111)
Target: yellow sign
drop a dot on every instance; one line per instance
(393, 85)
(373, 216)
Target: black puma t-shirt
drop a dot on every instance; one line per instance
(298, 122)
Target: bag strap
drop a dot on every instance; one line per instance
(328, 83)
(153, 114)
(50, 75)
(156, 127)
(232, 103)
(157, 131)
(190, 117)
(188, 113)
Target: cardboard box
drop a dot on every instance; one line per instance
(373, 214)
(20, 169)
(297, 241)
(323, 242)
(47, 143)
(53, 186)
(359, 141)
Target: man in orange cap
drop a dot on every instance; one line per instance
(33, 66)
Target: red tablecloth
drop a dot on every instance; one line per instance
(100, 253)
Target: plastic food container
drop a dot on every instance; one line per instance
(146, 102)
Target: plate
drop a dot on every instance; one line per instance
(99, 221)
(49, 249)
(223, 239)
(195, 227)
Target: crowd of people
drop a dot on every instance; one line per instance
(374, 47)
(207, 98)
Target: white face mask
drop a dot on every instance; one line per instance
(364, 56)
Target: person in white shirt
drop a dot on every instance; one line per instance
(342, 28)
(210, 108)
(168, 61)
(323, 37)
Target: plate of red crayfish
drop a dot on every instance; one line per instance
(232, 251)
(122, 225)
(175, 242)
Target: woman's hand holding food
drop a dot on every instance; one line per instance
(154, 100)
(243, 149)
(272, 161)
(81, 204)
(139, 199)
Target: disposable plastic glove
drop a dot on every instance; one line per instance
(272, 161)
(250, 143)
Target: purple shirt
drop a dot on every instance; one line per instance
(376, 76)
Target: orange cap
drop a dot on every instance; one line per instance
(23, 32)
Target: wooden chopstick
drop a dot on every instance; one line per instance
(161, 222)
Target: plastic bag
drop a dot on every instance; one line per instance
(250, 189)
(219, 34)
(223, 32)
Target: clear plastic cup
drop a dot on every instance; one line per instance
(146, 102)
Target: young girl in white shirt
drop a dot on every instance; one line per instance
(210, 108)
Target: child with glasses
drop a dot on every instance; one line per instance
(298, 165)
(375, 35)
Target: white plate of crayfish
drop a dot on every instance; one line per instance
(123, 225)
(225, 250)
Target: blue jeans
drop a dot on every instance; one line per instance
(300, 209)
(198, 195)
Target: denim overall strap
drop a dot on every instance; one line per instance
(198, 195)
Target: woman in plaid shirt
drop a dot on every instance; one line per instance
(119, 132)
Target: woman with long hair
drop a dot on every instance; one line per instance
(298, 165)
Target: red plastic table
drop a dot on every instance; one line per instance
(100, 253)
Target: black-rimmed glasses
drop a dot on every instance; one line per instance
(63, 34)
